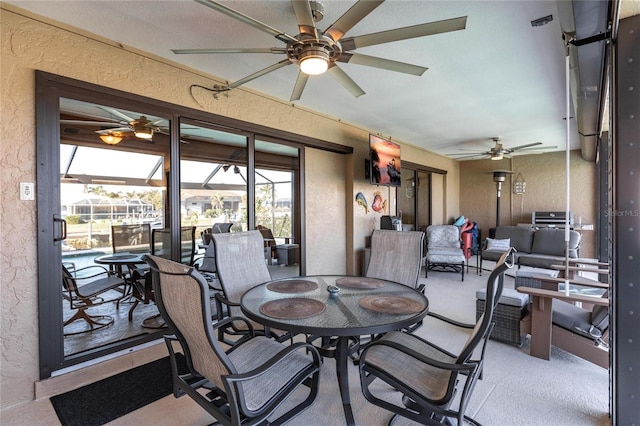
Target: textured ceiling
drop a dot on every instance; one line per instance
(499, 77)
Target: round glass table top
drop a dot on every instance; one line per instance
(357, 308)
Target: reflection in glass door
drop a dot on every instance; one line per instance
(213, 184)
(112, 194)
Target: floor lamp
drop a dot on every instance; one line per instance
(499, 176)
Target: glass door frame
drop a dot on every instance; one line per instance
(49, 89)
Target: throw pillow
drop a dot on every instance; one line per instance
(498, 245)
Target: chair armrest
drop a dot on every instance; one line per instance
(580, 269)
(220, 297)
(576, 261)
(450, 321)
(577, 281)
(551, 294)
(469, 366)
(229, 320)
(102, 269)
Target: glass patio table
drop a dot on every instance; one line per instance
(357, 306)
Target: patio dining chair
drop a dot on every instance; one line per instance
(240, 266)
(397, 256)
(85, 288)
(428, 377)
(243, 384)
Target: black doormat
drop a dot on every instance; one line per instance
(100, 402)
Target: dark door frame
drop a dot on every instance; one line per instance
(49, 89)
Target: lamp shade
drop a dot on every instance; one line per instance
(111, 138)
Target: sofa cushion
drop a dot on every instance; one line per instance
(539, 260)
(551, 241)
(521, 237)
(572, 318)
(498, 245)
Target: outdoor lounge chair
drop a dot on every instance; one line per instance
(556, 320)
(444, 249)
(428, 376)
(244, 384)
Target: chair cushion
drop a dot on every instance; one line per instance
(521, 237)
(498, 245)
(600, 315)
(528, 272)
(551, 241)
(536, 260)
(572, 318)
(491, 255)
(509, 297)
(443, 236)
(445, 255)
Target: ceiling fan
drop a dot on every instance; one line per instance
(114, 130)
(316, 51)
(498, 151)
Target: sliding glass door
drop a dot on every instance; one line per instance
(115, 170)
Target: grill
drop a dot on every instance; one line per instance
(551, 218)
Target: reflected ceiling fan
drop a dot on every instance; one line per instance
(316, 51)
(114, 130)
(498, 151)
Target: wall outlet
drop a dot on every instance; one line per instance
(27, 191)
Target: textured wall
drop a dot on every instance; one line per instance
(31, 44)
(544, 175)
(325, 218)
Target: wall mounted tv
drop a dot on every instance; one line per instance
(384, 157)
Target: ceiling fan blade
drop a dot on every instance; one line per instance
(538, 148)
(471, 156)
(350, 18)
(345, 81)
(421, 30)
(468, 153)
(525, 146)
(387, 64)
(260, 73)
(90, 123)
(119, 129)
(301, 82)
(116, 112)
(306, 23)
(277, 50)
(280, 35)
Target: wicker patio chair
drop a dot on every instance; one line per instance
(244, 384)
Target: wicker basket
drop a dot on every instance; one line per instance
(507, 321)
(527, 282)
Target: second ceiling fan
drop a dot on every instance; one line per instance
(498, 151)
(317, 51)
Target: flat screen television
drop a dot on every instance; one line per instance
(384, 162)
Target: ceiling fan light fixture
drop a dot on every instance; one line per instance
(314, 61)
(497, 156)
(143, 132)
(111, 138)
